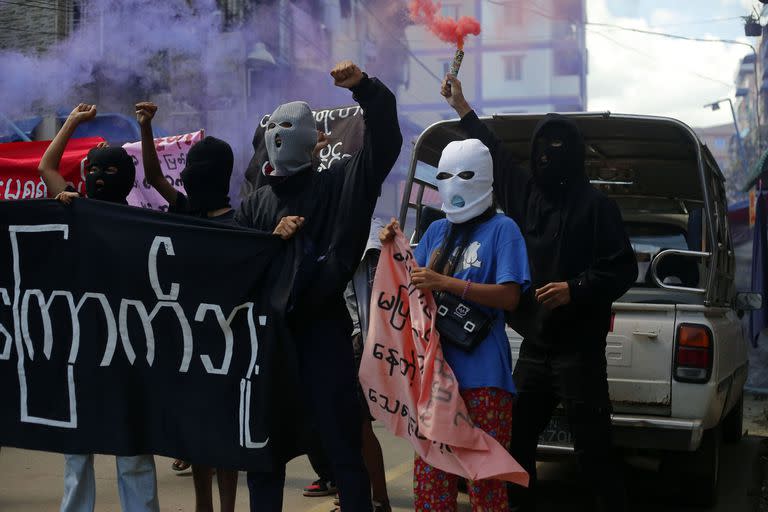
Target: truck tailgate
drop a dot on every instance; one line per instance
(639, 353)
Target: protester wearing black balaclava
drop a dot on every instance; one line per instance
(207, 174)
(111, 174)
(110, 177)
(581, 261)
(330, 213)
(205, 177)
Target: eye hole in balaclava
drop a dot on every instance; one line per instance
(111, 174)
(465, 180)
(207, 174)
(290, 137)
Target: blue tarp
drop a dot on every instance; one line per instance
(117, 129)
(25, 125)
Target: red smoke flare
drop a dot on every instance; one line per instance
(425, 12)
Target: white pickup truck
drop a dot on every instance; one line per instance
(677, 356)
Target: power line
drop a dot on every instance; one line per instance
(505, 3)
(638, 30)
(671, 36)
(698, 22)
(651, 58)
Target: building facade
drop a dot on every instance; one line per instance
(35, 26)
(724, 146)
(718, 139)
(530, 57)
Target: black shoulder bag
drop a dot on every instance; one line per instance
(458, 321)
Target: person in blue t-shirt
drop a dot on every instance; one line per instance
(487, 255)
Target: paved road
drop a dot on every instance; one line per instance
(32, 481)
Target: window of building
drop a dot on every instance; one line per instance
(450, 10)
(513, 68)
(513, 13)
(567, 62)
(77, 15)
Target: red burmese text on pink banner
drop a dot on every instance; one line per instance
(409, 385)
(172, 154)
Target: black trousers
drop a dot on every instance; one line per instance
(544, 378)
(327, 371)
(320, 463)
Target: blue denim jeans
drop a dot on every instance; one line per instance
(136, 484)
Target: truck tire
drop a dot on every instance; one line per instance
(733, 423)
(696, 474)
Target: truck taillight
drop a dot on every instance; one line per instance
(693, 353)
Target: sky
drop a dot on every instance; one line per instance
(635, 73)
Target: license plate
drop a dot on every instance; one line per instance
(557, 432)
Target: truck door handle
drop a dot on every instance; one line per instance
(648, 334)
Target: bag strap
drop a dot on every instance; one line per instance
(449, 253)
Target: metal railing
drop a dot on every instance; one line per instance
(676, 252)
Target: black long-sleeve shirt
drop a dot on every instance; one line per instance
(576, 236)
(338, 203)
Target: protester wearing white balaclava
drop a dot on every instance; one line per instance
(465, 180)
(290, 137)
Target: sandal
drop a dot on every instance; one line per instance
(180, 465)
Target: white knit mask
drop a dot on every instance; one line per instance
(465, 180)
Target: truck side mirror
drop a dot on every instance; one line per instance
(748, 301)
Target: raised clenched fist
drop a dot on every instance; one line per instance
(83, 113)
(387, 233)
(346, 74)
(145, 112)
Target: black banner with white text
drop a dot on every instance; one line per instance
(126, 331)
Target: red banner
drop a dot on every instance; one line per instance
(19, 178)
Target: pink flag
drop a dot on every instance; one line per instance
(409, 385)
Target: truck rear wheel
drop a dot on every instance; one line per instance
(733, 423)
(696, 474)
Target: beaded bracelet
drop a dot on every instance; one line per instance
(466, 289)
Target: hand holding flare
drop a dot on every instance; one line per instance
(447, 29)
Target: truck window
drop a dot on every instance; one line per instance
(648, 239)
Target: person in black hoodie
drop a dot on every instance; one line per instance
(205, 178)
(581, 261)
(330, 213)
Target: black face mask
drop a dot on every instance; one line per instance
(111, 174)
(557, 153)
(207, 174)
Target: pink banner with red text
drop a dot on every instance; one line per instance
(409, 385)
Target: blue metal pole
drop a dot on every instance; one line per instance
(15, 128)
